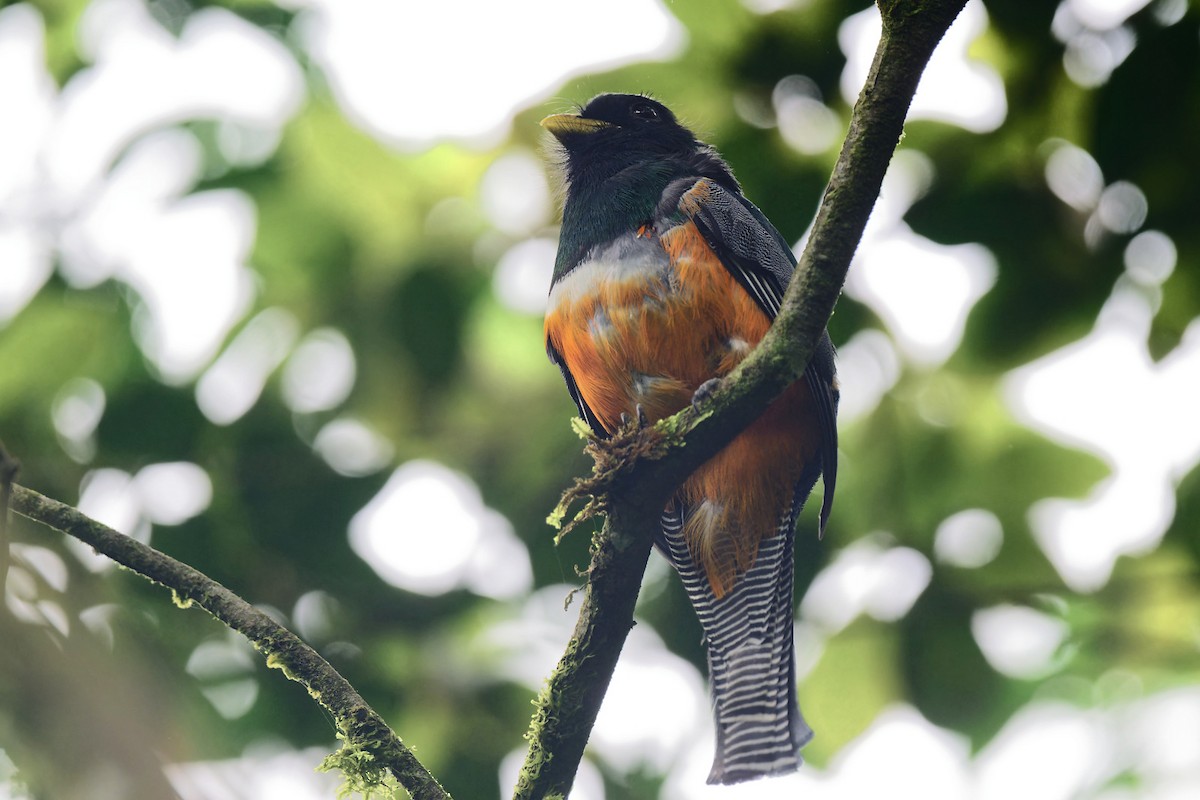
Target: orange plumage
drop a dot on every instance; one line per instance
(667, 276)
(661, 337)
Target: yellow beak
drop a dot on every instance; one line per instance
(566, 124)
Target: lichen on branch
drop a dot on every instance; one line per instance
(377, 751)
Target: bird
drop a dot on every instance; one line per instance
(665, 278)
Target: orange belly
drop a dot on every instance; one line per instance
(651, 337)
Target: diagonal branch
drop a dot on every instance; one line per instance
(361, 728)
(9, 467)
(567, 707)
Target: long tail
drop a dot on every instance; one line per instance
(751, 659)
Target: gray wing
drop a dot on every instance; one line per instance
(759, 258)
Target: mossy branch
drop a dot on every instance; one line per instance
(370, 749)
(632, 493)
(9, 467)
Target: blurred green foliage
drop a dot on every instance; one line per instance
(394, 250)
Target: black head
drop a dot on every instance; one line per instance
(621, 120)
(616, 131)
(619, 154)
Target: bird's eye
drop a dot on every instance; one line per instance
(645, 111)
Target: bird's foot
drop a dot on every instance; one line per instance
(703, 392)
(640, 412)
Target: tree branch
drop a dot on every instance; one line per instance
(636, 494)
(361, 728)
(9, 467)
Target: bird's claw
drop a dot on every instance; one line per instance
(703, 392)
(640, 414)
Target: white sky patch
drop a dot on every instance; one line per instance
(1123, 207)
(218, 659)
(922, 290)
(522, 277)
(1096, 38)
(265, 772)
(33, 571)
(26, 259)
(1162, 735)
(514, 193)
(969, 539)
(954, 88)
(1018, 641)
(189, 271)
(660, 690)
(868, 367)
(866, 578)
(167, 494)
(155, 170)
(1123, 515)
(412, 73)
(44, 562)
(428, 531)
(185, 255)
(1105, 395)
(1104, 14)
(900, 755)
(233, 384)
(232, 699)
(222, 667)
(26, 105)
(76, 412)
(805, 122)
(78, 408)
(22, 598)
(320, 372)
(27, 96)
(808, 125)
(315, 615)
(98, 620)
(1046, 751)
(902, 745)
(220, 67)
(1074, 176)
(810, 646)
(172, 493)
(1150, 257)
(98, 174)
(352, 448)
(771, 6)
(1090, 57)
(108, 496)
(1169, 12)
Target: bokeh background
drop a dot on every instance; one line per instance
(271, 283)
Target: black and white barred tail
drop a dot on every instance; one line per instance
(751, 659)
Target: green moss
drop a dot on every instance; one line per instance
(551, 703)
(537, 758)
(361, 773)
(612, 459)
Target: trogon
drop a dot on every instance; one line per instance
(666, 277)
